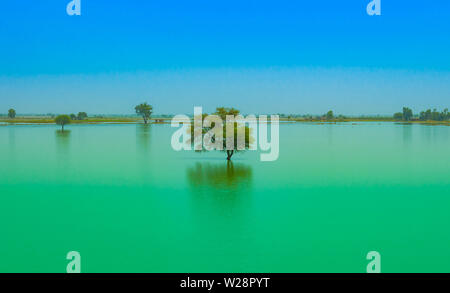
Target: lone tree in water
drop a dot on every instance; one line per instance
(62, 120)
(12, 113)
(145, 110)
(213, 132)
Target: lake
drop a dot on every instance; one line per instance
(127, 202)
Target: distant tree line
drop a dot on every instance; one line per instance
(80, 116)
(428, 115)
(11, 113)
(434, 115)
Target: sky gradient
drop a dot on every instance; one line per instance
(259, 56)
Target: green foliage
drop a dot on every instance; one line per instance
(407, 114)
(73, 117)
(11, 113)
(330, 115)
(222, 112)
(434, 115)
(62, 120)
(145, 110)
(230, 149)
(82, 115)
(398, 116)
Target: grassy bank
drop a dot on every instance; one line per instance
(96, 120)
(48, 120)
(353, 120)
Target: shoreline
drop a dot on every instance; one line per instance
(96, 121)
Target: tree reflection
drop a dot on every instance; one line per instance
(143, 132)
(224, 182)
(62, 140)
(407, 134)
(62, 149)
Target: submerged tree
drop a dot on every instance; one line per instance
(62, 120)
(213, 134)
(145, 110)
(12, 113)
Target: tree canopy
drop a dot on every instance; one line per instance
(82, 115)
(229, 147)
(407, 114)
(428, 115)
(145, 110)
(434, 115)
(62, 120)
(12, 113)
(398, 116)
(222, 112)
(330, 115)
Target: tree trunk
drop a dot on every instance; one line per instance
(229, 155)
(145, 120)
(62, 126)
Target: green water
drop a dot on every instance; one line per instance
(127, 202)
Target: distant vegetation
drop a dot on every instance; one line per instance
(62, 120)
(406, 115)
(145, 111)
(428, 115)
(11, 113)
(80, 116)
(434, 115)
(329, 115)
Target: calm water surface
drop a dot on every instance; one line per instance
(127, 202)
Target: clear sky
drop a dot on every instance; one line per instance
(260, 56)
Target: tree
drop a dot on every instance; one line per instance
(62, 120)
(330, 115)
(73, 117)
(446, 114)
(434, 115)
(407, 114)
(238, 128)
(145, 110)
(222, 112)
(398, 116)
(12, 113)
(82, 115)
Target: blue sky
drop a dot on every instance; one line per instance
(259, 56)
